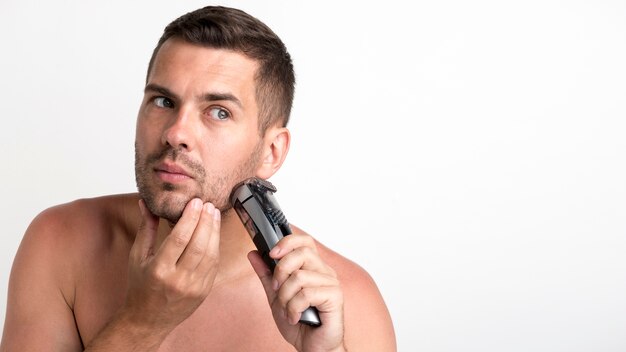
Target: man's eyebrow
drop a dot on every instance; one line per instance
(222, 96)
(161, 90)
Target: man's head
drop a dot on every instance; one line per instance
(217, 97)
(227, 28)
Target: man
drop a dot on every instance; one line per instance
(172, 268)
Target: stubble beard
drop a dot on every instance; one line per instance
(167, 200)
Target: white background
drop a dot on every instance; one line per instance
(469, 154)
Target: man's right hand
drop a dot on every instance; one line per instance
(167, 284)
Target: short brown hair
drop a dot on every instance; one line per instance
(227, 28)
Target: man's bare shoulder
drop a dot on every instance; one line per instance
(67, 252)
(91, 215)
(63, 233)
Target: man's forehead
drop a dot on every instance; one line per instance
(176, 54)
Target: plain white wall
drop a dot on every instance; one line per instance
(469, 154)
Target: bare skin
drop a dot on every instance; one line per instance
(107, 274)
(80, 271)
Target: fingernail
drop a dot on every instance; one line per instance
(275, 285)
(275, 251)
(196, 203)
(208, 207)
(216, 214)
(294, 321)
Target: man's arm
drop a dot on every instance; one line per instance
(39, 314)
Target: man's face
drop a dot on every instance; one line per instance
(197, 129)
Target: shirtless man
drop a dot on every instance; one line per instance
(172, 268)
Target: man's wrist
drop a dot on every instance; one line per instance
(125, 330)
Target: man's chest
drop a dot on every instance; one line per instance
(234, 317)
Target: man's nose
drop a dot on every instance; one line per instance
(179, 132)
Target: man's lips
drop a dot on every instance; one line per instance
(172, 173)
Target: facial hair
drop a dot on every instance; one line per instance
(168, 200)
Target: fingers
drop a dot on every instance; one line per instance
(203, 240)
(296, 252)
(301, 279)
(168, 287)
(304, 289)
(146, 235)
(212, 253)
(326, 300)
(291, 242)
(177, 241)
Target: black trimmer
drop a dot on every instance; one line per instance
(254, 202)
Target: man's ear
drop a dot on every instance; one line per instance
(275, 148)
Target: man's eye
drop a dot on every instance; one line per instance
(163, 102)
(219, 113)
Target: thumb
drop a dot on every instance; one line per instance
(264, 274)
(146, 234)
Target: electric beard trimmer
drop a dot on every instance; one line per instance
(254, 202)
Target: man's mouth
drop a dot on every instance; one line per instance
(172, 173)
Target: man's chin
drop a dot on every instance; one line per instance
(169, 206)
(172, 217)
